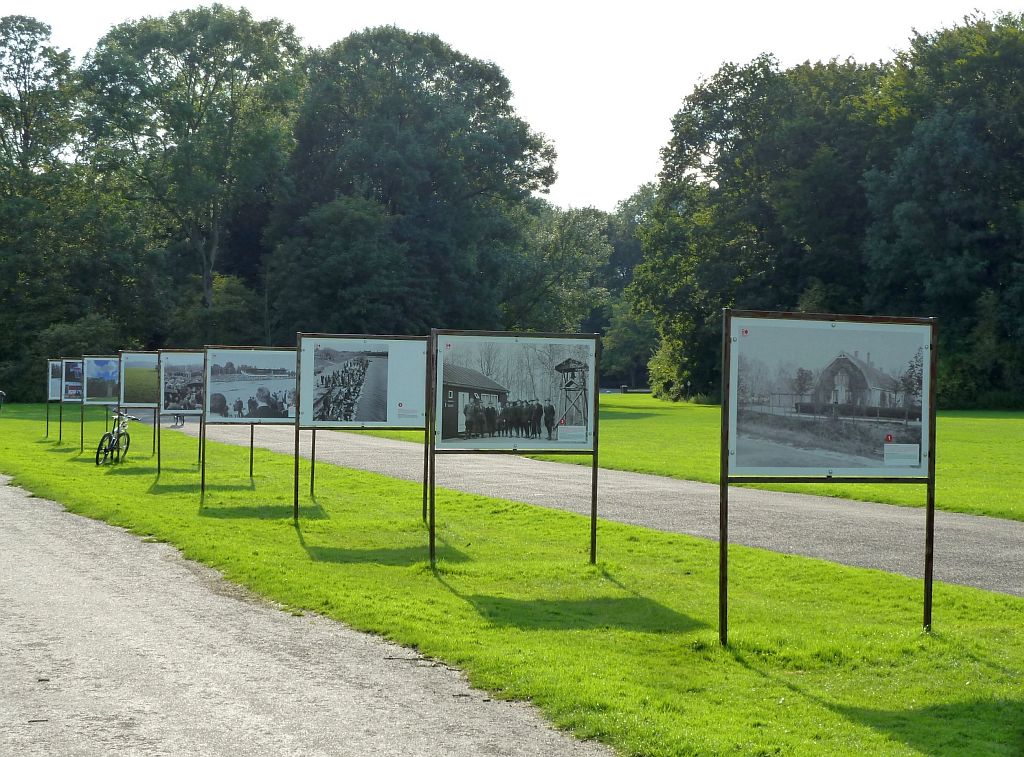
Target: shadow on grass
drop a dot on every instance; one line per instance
(994, 726)
(263, 512)
(123, 469)
(979, 726)
(626, 613)
(157, 488)
(634, 613)
(393, 556)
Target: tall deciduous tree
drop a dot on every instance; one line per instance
(429, 135)
(555, 281)
(195, 106)
(36, 101)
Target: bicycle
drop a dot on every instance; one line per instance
(114, 443)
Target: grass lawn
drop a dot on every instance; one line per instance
(979, 454)
(824, 659)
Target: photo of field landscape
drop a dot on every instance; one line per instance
(140, 376)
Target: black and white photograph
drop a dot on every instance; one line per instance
(71, 380)
(828, 398)
(53, 380)
(515, 392)
(181, 383)
(246, 385)
(102, 380)
(362, 382)
(140, 379)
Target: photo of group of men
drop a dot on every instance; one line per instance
(521, 419)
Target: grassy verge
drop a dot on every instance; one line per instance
(825, 659)
(978, 453)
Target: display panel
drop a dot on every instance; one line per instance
(356, 382)
(824, 398)
(250, 385)
(181, 382)
(512, 392)
(71, 380)
(53, 380)
(102, 379)
(140, 379)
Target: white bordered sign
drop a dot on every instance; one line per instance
(828, 398)
(250, 385)
(362, 381)
(140, 379)
(53, 375)
(71, 379)
(181, 382)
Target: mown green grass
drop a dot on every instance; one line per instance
(979, 454)
(824, 659)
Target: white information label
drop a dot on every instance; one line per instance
(903, 455)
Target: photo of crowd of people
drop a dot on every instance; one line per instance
(351, 381)
(350, 386)
(181, 382)
(250, 386)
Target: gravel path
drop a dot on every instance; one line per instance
(112, 645)
(987, 553)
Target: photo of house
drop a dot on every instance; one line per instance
(827, 397)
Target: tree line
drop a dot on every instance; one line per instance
(204, 178)
(890, 188)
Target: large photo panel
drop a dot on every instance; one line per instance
(140, 379)
(53, 380)
(181, 382)
(513, 392)
(102, 379)
(357, 382)
(828, 398)
(71, 380)
(250, 385)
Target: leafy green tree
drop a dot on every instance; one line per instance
(760, 205)
(628, 346)
(428, 134)
(340, 271)
(195, 107)
(36, 102)
(555, 281)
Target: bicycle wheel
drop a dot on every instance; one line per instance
(103, 449)
(123, 442)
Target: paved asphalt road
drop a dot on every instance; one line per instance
(987, 553)
(112, 645)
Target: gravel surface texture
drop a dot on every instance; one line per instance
(986, 553)
(113, 645)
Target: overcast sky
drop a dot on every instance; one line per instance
(601, 83)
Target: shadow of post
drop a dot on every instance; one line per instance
(389, 556)
(630, 613)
